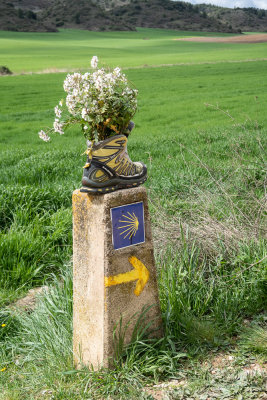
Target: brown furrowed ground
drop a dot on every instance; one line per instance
(258, 38)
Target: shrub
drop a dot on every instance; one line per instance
(31, 15)
(20, 13)
(5, 70)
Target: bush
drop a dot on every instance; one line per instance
(31, 15)
(20, 13)
(5, 70)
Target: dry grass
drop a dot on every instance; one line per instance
(205, 231)
(229, 209)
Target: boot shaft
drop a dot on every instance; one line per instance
(113, 153)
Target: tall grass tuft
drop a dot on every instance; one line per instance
(204, 301)
(254, 339)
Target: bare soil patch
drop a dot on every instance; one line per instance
(258, 38)
(28, 303)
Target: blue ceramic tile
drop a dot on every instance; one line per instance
(128, 227)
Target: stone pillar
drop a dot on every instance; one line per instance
(114, 278)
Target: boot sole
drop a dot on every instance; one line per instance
(108, 189)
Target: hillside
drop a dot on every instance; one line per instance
(48, 15)
(21, 16)
(168, 15)
(244, 19)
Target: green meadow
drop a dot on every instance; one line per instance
(201, 129)
(70, 49)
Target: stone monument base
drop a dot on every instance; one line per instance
(114, 276)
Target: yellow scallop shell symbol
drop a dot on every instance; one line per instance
(130, 225)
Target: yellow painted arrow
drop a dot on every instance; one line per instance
(139, 273)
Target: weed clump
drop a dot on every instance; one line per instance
(5, 70)
(254, 339)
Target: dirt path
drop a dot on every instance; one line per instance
(258, 38)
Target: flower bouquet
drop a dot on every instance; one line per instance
(102, 102)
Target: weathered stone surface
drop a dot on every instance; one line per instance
(98, 308)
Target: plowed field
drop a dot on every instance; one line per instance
(258, 38)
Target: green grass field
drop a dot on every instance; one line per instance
(69, 49)
(201, 129)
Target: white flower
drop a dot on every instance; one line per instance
(84, 113)
(117, 71)
(58, 127)
(43, 136)
(58, 111)
(94, 62)
(93, 98)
